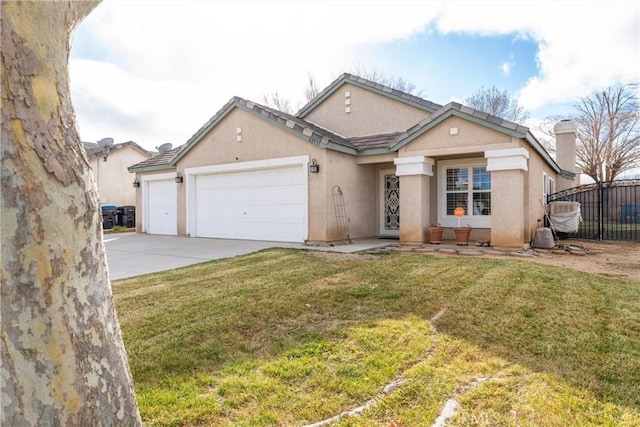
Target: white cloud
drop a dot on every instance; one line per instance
(173, 64)
(507, 66)
(190, 57)
(582, 45)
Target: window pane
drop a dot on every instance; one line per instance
(481, 178)
(457, 179)
(482, 203)
(455, 200)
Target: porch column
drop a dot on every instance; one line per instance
(414, 174)
(508, 197)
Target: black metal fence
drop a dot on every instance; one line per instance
(610, 210)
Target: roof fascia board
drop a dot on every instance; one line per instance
(150, 168)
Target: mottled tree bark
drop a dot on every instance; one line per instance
(63, 360)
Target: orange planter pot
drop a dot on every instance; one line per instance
(462, 235)
(435, 235)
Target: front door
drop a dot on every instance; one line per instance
(389, 203)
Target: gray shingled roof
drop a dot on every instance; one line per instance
(396, 94)
(376, 141)
(156, 162)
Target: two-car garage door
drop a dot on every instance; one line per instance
(265, 203)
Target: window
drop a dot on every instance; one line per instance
(548, 187)
(464, 183)
(468, 187)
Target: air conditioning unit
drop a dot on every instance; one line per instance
(563, 207)
(564, 216)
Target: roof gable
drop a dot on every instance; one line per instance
(305, 130)
(94, 150)
(363, 83)
(476, 116)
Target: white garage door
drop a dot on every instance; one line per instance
(266, 204)
(161, 207)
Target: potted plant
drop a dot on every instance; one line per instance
(462, 235)
(435, 234)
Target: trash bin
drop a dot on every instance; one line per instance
(126, 216)
(108, 216)
(629, 212)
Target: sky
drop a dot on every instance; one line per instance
(155, 71)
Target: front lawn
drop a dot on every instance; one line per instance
(291, 337)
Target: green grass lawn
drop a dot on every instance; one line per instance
(290, 337)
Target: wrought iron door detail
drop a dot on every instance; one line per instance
(391, 202)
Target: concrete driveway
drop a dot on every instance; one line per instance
(132, 254)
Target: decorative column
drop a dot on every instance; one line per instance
(507, 169)
(414, 174)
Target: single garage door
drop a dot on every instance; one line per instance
(265, 204)
(161, 207)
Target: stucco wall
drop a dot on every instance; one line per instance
(113, 180)
(370, 114)
(359, 186)
(534, 179)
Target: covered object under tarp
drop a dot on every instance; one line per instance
(564, 217)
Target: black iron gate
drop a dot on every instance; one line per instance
(610, 210)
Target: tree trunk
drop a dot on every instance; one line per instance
(63, 360)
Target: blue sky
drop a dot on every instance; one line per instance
(456, 65)
(154, 71)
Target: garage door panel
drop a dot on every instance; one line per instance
(266, 204)
(285, 214)
(261, 178)
(250, 196)
(273, 233)
(162, 207)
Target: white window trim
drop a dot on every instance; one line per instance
(451, 220)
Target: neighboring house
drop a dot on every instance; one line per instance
(109, 164)
(397, 162)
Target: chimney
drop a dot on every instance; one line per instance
(566, 133)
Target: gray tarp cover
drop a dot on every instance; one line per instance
(564, 216)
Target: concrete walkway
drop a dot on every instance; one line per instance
(132, 254)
